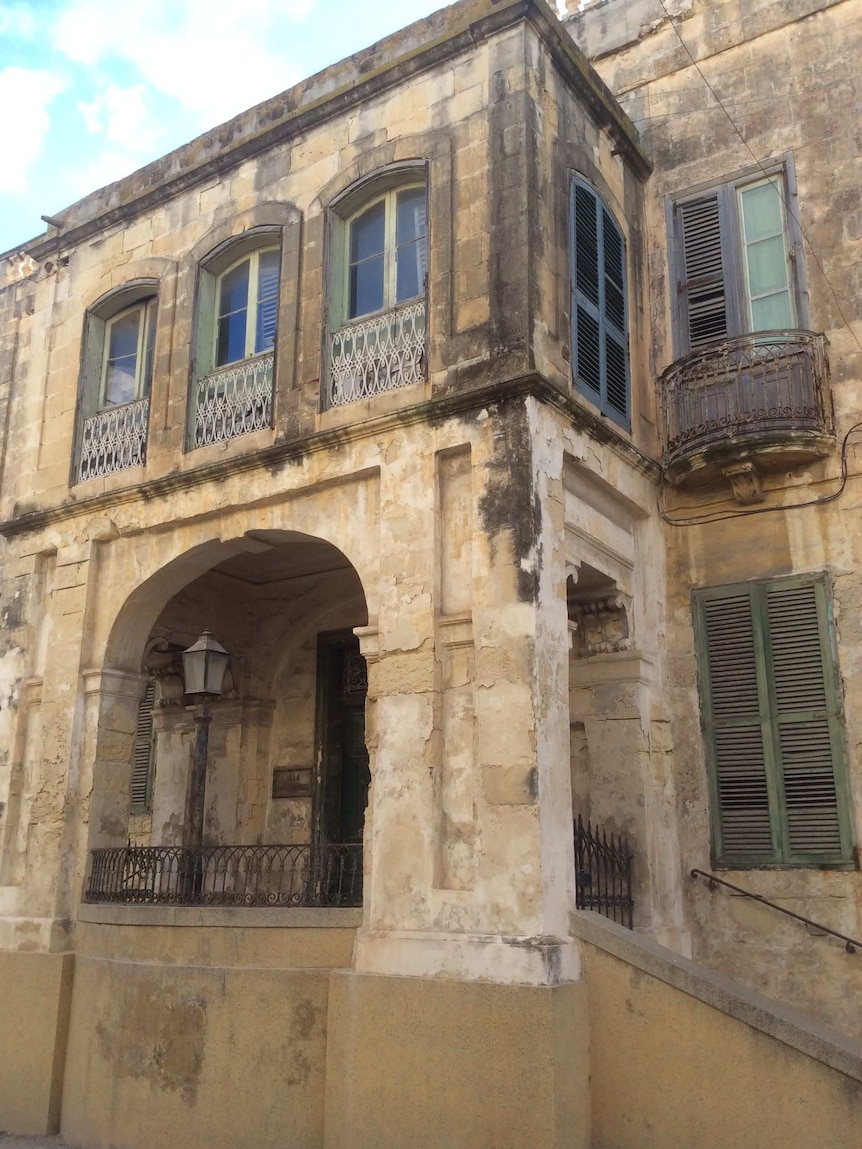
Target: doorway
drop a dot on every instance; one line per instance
(343, 775)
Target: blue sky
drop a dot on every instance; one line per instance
(90, 90)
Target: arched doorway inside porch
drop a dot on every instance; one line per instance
(287, 772)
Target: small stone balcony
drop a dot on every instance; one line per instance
(748, 403)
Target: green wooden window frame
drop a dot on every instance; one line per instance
(773, 724)
(713, 259)
(143, 754)
(600, 358)
(144, 315)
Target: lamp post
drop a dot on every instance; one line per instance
(204, 666)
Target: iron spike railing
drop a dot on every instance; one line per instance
(301, 875)
(850, 944)
(746, 385)
(603, 873)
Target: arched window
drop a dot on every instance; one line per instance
(117, 372)
(378, 285)
(234, 359)
(600, 363)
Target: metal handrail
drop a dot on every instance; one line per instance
(850, 944)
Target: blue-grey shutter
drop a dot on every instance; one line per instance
(701, 279)
(599, 326)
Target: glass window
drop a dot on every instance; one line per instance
(247, 307)
(387, 252)
(735, 272)
(128, 355)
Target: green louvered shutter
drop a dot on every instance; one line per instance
(599, 318)
(142, 755)
(772, 724)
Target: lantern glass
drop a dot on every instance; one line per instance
(204, 666)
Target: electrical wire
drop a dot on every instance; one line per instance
(719, 516)
(757, 160)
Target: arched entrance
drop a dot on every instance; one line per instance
(287, 772)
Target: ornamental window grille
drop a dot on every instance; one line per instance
(772, 722)
(235, 335)
(379, 275)
(737, 259)
(117, 372)
(600, 359)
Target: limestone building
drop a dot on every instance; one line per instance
(491, 398)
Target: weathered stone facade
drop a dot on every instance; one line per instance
(486, 533)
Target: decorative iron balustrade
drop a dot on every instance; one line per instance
(233, 401)
(303, 875)
(745, 386)
(379, 354)
(114, 440)
(603, 873)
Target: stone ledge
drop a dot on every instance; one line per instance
(223, 917)
(773, 1018)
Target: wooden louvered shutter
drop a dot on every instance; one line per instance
(772, 724)
(142, 756)
(599, 325)
(737, 732)
(807, 724)
(702, 286)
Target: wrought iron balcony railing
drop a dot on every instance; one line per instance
(113, 440)
(303, 875)
(603, 873)
(233, 401)
(761, 385)
(378, 354)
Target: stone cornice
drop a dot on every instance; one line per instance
(432, 410)
(332, 92)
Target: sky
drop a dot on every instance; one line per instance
(91, 90)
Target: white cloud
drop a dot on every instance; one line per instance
(122, 116)
(25, 95)
(213, 56)
(16, 22)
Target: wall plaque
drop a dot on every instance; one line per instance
(291, 782)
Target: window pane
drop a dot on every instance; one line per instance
(410, 280)
(231, 338)
(120, 381)
(366, 287)
(368, 233)
(234, 290)
(267, 300)
(121, 366)
(771, 311)
(124, 335)
(761, 212)
(410, 217)
(767, 266)
(232, 311)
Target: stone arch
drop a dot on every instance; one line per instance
(312, 584)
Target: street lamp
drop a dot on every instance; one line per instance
(204, 666)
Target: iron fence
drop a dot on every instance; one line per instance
(302, 875)
(233, 401)
(603, 873)
(113, 440)
(747, 385)
(377, 354)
